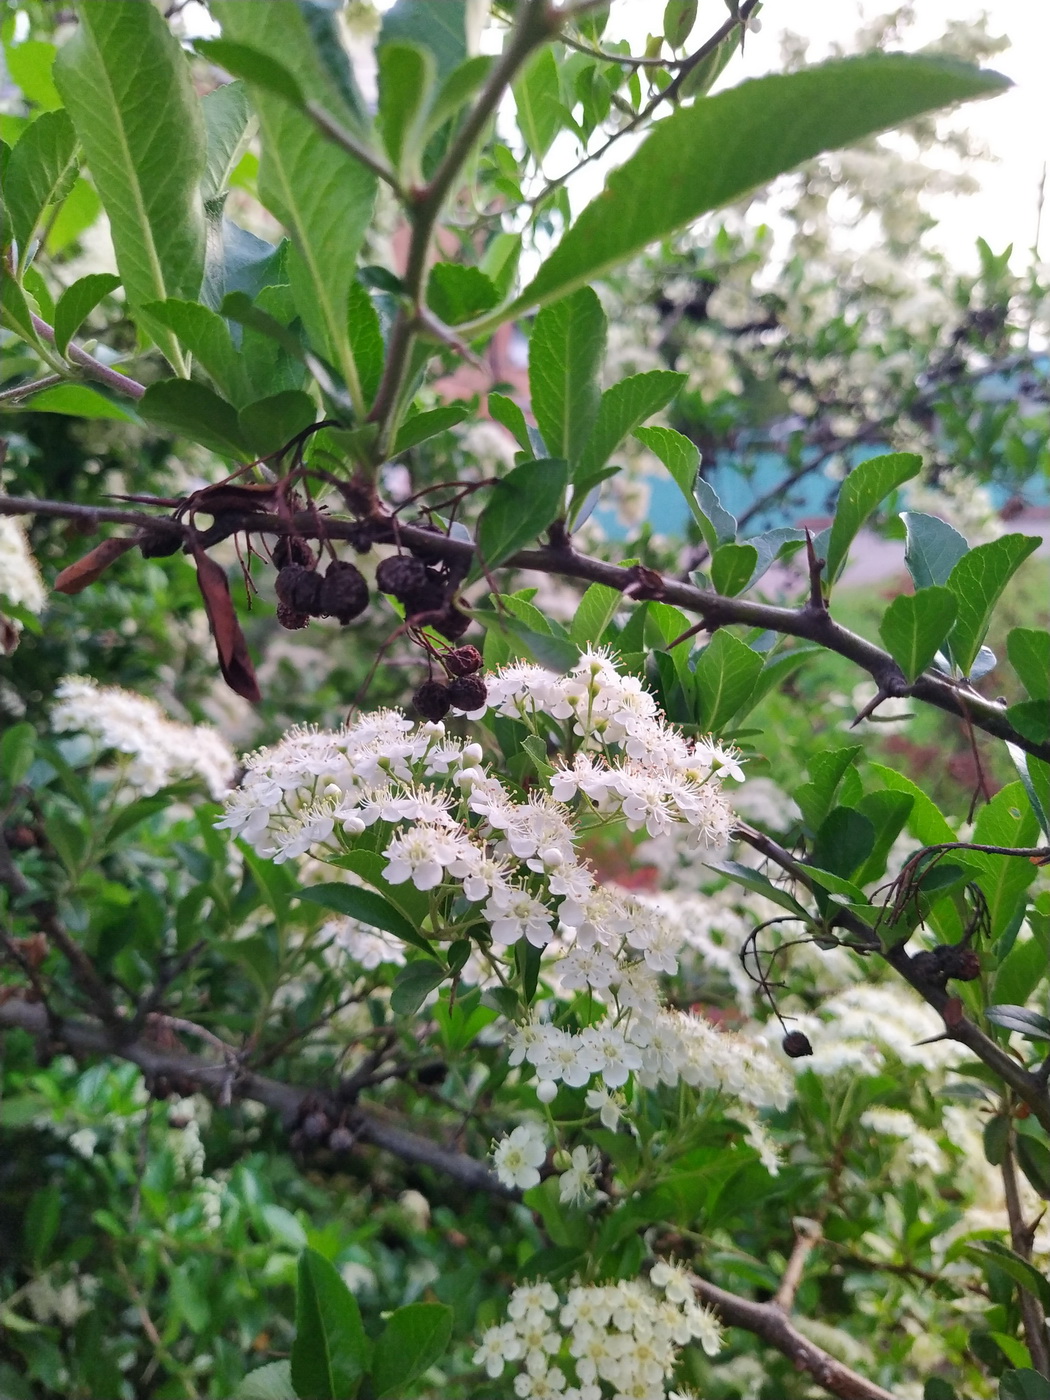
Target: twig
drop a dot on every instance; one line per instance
(94, 368)
(807, 1236)
(1021, 1237)
(21, 391)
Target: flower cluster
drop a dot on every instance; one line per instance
(159, 749)
(20, 581)
(506, 870)
(618, 1339)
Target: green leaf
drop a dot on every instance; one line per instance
(40, 171)
(428, 424)
(537, 97)
(978, 580)
(364, 905)
(1035, 778)
(827, 770)
(30, 65)
(596, 610)
(197, 413)
(565, 356)
(726, 673)
(413, 1340)
(206, 336)
(708, 154)
(270, 423)
(326, 214)
(413, 984)
(406, 78)
(226, 116)
(1032, 719)
(77, 302)
(457, 89)
(925, 821)
(522, 504)
(887, 812)
(457, 293)
(78, 401)
(772, 545)
(932, 548)
(1007, 820)
(844, 843)
(1024, 1384)
(679, 18)
(255, 67)
(270, 1382)
(17, 751)
(146, 158)
(915, 625)
(507, 412)
(759, 883)
(1029, 651)
(1019, 973)
(681, 457)
(15, 309)
(330, 1351)
(439, 28)
(621, 409)
(732, 566)
(866, 487)
(366, 341)
(1033, 1157)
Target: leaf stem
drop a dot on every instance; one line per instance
(93, 368)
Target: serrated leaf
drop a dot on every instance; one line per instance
(1029, 651)
(194, 411)
(40, 170)
(866, 487)
(456, 292)
(77, 302)
(146, 158)
(915, 625)
(414, 1339)
(331, 1351)
(521, 505)
(537, 97)
(732, 566)
(727, 671)
(755, 881)
(978, 580)
(622, 408)
(596, 610)
(681, 457)
(206, 336)
(566, 349)
(270, 1382)
(932, 548)
(710, 153)
(428, 424)
(414, 983)
(226, 116)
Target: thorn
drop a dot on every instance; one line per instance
(871, 706)
(817, 601)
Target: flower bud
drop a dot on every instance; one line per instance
(546, 1091)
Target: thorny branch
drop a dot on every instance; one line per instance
(714, 610)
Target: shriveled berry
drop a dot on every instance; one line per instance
(159, 540)
(291, 619)
(468, 693)
(796, 1045)
(316, 1126)
(401, 575)
(432, 701)
(462, 661)
(451, 624)
(300, 588)
(292, 549)
(340, 1139)
(961, 964)
(344, 593)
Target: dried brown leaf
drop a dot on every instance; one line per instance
(234, 661)
(94, 564)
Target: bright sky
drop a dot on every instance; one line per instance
(1015, 127)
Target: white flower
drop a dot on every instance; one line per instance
(576, 1183)
(609, 1106)
(498, 1346)
(513, 912)
(518, 1157)
(20, 581)
(83, 1142)
(420, 856)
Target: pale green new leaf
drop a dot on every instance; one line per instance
(322, 195)
(726, 674)
(621, 409)
(77, 302)
(708, 154)
(565, 355)
(977, 581)
(866, 487)
(406, 77)
(146, 158)
(40, 170)
(226, 117)
(537, 96)
(915, 625)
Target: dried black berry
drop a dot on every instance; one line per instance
(344, 593)
(292, 549)
(796, 1045)
(463, 661)
(432, 701)
(340, 1140)
(961, 964)
(300, 588)
(451, 624)
(401, 575)
(316, 1126)
(468, 692)
(291, 619)
(159, 540)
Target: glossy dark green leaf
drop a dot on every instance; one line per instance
(77, 302)
(414, 1339)
(915, 625)
(1007, 820)
(978, 580)
(1029, 651)
(271, 423)
(456, 292)
(1030, 1024)
(414, 983)
(566, 349)
(507, 412)
(706, 155)
(330, 1353)
(887, 812)
(621, 409)
(40, 170)
(757, 882)
(365, 906)
(1033, 1157)
(521, 506)
(726, 673)
(428, 424)
(146, 158)
(826, 772)
(844, 843)
(866, 487)
(732, 566)
(1032, 719)
(1024, 1384)
(193, 410)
